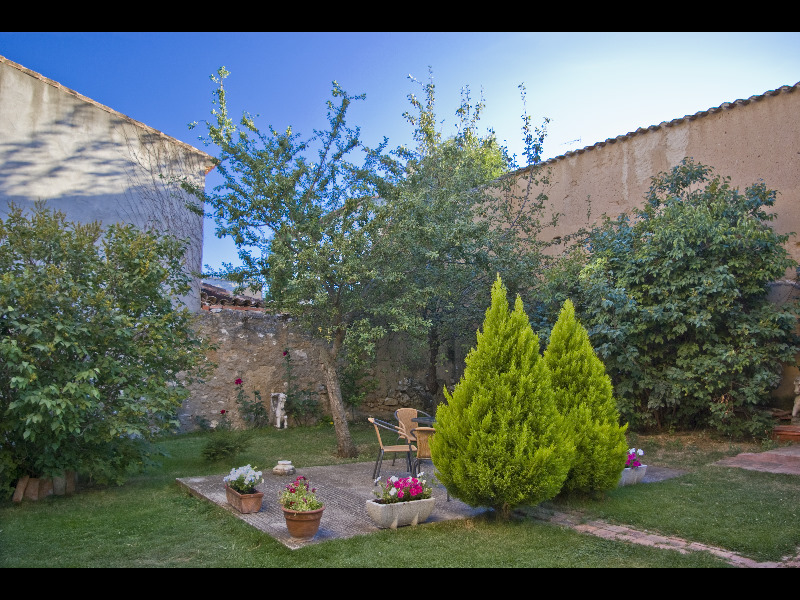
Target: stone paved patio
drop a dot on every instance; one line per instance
(344, 489)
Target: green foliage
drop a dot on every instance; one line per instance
(305, 227)
(455, 223)
(675, 300)
(225, 445)
(355, 385)
(584, 396)
(500, 440)
(304, 407)
(301, 405)
(94, 354)
(252, 411)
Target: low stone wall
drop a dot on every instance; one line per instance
(250, 346)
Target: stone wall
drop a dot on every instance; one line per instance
(250, 346)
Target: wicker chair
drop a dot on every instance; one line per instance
(423, 437)
(406, 447)
(404, 416)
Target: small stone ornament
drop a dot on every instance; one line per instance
(284, 467)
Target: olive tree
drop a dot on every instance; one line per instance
(455, 222)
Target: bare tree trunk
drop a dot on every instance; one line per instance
(345, 446)
(433, 355)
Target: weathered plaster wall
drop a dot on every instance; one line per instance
(93, 163)
(748, 140)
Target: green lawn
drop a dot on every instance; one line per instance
(152, 522)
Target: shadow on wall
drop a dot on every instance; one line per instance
(95, 166)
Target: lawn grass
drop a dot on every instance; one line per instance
(152, 522)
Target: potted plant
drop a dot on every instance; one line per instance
(634, 469)
(302, 509)
(240, 489)
(401, 501)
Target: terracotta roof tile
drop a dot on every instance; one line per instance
(785, 89)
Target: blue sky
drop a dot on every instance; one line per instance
(591, 85)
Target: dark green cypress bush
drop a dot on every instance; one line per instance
(500, 441)
(585, 397)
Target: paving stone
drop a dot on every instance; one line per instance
(344, 489)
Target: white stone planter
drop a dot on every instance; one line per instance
(631, 475)
(398, 514)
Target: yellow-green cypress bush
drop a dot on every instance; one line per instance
(500, 440)
(584, 395)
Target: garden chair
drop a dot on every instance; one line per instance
(404, 416)
(423, 436)
(406, 447)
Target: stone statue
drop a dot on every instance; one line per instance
(278, 402)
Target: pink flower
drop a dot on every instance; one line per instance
(238, 381)
(222, 412)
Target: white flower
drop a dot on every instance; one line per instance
(393, 478)
(378, 479)
(631, 450)
(640, 452)
(392, 492)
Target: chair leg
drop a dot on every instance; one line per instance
(377, 470)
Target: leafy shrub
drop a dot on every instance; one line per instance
(225, 445)
(675, 300)
(95, 355)
(500, 440)
(252, 411)
(303, 406)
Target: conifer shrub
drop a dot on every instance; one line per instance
(500, 441)
(584, 396)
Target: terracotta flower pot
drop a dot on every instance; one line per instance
(397, 514)
(244, 503)
(302, 525)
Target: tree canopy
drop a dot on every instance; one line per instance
(95, 346)
(675, 299)
(306, 230)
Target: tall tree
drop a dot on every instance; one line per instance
(305, 230)
(456, 222)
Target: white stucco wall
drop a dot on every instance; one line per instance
(93, 163)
